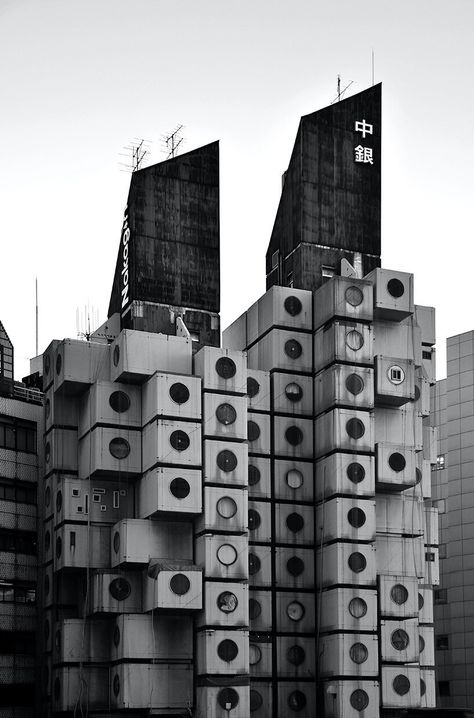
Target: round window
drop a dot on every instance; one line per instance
(421, 601)
(396, 375)
(47, 496)
(180, 584)
(228, 697)
(47, 541)
(59, 364)
(293, 306)
(254, 520)
(116, 637)
(294, 522)
(354, 384)
(399, 594)
(116, 542)
(256, 700)
(354, 296)
(418, 475)
(227, 602)
(227, 650)
(294, 479)
(295, 566)
(296, 655)
(47, 408)
(293, 392)
(226, 507)
(179, 440)
(116, 685)
(57, 639)
(226, 414)
(422, 644)
(226, 461)
(119, 401)
(226, 554)
(357, 562)
(47, 452)
(180, 488)
(417, 393)
(296, 701)
(401, 685)
(46, 585)
(293, 349)
(354, 340)
(255, 654)
(226, 368)
(358, 653)
(356, 517)
(253, 387)
(395, 288)
(254, 564)
(422, 687)
(357, 607)
(294, 435)
(179, 393)
(119, 448)
(47, 363)
(295, 611)
(397, 462)
(255, 609)
(253, 431)
(120, 589)
(355, 428)
(59, 546)
(116, 355)
(359, 700)
(355, 472)
(59, 500)
(399, 639)
(254, 475)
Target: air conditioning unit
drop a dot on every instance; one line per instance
(430, 441)
(136, 541)
(116, 592)
(68, 688)
(351, 699)
(279, 307)
(258, 434)
(399, 340)
(97, 501)
(343, 342)
(348, 609)
(80, 640)
(173, 396)
(135, 355)
(294, 524)
(174, 585)
(425, 604)
(259, 477)
(293, 437)
(398, 596)
(393, 294)
(225, 605)
(223, 370)
(431, 568)
(394, 380)
(348, 654)
(110, 451)
(349, 474)
(427, 688)
(79, 364)
(225, 462)
(282, 349)
(141, 685)
(292, 394)
(260, 524)
(261, 695)
(344, 430)
(294, 612)
(395, 467)
(165, 490)
(258, 390)
(400, 556)
(352, 564)
(294, 567)
(401, 687)
(431, 526)
(149, 637)
(345, 519)
(428, 357)
(60, 410)
(293, 480)
(296, 657)
(231, 699)
(260, 566)
(343, 298)
(399, 514)
(344, 385)
(81, 546)
(222, 557)
(225, 510)
(60, 450)
(222, 652)
(260, 610)
(171, 442)
(297, 699)
(422, 393)
(427, 651)
(107, 402)
(225, 416)
(48, 364)
(399, 641)
(400, 426)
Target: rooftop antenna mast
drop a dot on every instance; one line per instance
(137, 150)
(36, 288)
(340, 92)
(83, 323)
(173, 141)
(373, 67)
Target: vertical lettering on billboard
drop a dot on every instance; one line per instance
(364, 154)
(125, 274)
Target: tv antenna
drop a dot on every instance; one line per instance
(137, 150)
(340, 92)
(83, 322)
(173, 141)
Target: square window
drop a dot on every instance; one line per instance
(444, 688)
(440, 596)
(442, 642)
(328, 271)
(429, 556)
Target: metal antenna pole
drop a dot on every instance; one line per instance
(36, 287)
(373, 68)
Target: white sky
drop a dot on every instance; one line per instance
(79, 79)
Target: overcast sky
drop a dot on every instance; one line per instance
(81, 78)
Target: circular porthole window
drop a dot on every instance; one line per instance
(296, 701)
(254, 520)
(180, 488)
(255, 654)
(47, 585)
(253, 387)
(59, 364)
(253, 475)
(418, 475)
(295, 566)
(293, 306)
(253, 431)
(228, 697)
(421, 601)
(399, 594)
(294, 522)
(119, 448)
(294, 435)
(399, 639)
(422, 687)
(358, 653)
(116, 355)
(226, 507)
(255, 609)
(355, 472)
(179, 440)
(355, 428)
(116, 542)
(47, 541)
(226, 461)
(354, 384)
(395, 288)
(294, 478)
(180, 584)
(256, 700)
(359, 700)
(227, 602)
(47, 408)
(357, 607)
(59, 500)
(293, 392)
(226, 554)
(179, 393)
(226, 414)
(116, 685)
(227, 650)
(293, 349)
(356, 517)
(397, 461)
(354, 296)
(57, 640)
(296, 655)
(116, 637)
(47, 496)
(354, 340)
(401, 685)
(120, 589)
(295, 611)
(59, 546)
(396, 375)
(47, 452)
(357, 562)
(422, 644)
(226, 368)
(254, 564)
(119, 401)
